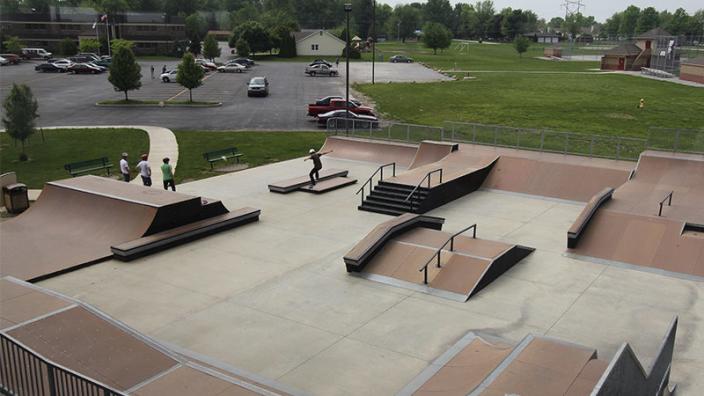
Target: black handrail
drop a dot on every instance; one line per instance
(25, 372)
(451, 241)
(427, 176)
(669, 203)
(369, 181)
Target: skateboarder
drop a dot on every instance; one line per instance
(125, 168)
(145, 171)
(168, 173)
(317, 165)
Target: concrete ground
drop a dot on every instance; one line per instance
(273, 297)
(66, 99)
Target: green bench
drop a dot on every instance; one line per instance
(222, 155)
(81, 167)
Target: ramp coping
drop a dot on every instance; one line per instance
(102, 194)
(154, 378)
(419, 287)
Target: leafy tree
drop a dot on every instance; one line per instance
(436, 35)
(354, 53)
(439, 11)
(485, 14)
(89, 45)
(20, 112)
(287, 46)
(68, 47)
(242, 48)
(125, 72)
(613, 25)
(13, 45)
(407, 20)
(362, 16)
(521, 44)
(629, 20)
(211, 49)
(112, 7)
(254, 34)
(678, 22)
(648, 19)
(116, 44)
(189, 75)
(556, 23)
(194, 47)
(195, 27)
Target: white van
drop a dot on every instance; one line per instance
(35, 53)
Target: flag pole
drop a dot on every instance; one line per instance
(107, 31)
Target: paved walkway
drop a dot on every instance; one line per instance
(162, 143)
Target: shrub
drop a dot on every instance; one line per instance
(68, 47)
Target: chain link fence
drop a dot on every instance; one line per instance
(544, 140)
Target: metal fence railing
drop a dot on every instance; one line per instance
(546, 140)
(24, 372)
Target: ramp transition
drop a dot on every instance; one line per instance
(432, 261)
(539, 365)
(76, 221)
(654, 220)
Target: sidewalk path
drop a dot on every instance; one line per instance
(162, 143)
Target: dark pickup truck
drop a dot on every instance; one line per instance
(338, 104)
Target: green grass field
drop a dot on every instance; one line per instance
(61, 146)
(554, 98)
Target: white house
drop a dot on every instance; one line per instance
(318, 42)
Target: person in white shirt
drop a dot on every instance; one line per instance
(125, 168)
(145, 171)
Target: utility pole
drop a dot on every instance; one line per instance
(348, 9)
(373, 37)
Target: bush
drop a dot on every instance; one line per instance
(13, 45)
(89, 45)
(68, 47)
(521, 44)
(354, 53)
(242, 48)
(436, 35)
(20, 113)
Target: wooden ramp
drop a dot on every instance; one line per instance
(420, 258)
(538, 366)
(297, 183)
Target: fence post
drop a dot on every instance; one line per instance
(542, 139)
(591, 147)
(452, 137)
(408, 133)
(618, 147)
(370, 128)
(389, 131)
(442, 134)
(567, 142)
(518, 137)
(474, 133)
(677, 140)
(496, 133)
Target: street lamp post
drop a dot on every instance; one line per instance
(348, 8)
(373, 37)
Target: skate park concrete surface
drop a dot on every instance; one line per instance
(274, 298)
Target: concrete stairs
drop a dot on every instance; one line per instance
(390, 198)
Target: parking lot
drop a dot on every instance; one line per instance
(66, 99)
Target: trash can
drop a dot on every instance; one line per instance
(15, 197)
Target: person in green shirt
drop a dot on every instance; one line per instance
(168, 173)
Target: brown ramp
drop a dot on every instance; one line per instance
(370, 151)
(431, 151)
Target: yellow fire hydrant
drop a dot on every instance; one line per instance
(641, 104)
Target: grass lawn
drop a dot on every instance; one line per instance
(485, 56)
(61, 146)
(259, 148)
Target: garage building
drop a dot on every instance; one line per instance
(318, 42)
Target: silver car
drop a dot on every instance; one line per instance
(258, 86)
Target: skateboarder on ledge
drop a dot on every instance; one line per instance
(317, 165)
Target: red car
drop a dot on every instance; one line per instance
(338, 104)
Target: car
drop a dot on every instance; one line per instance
(320, 69)
(4, 61)
(91, 55)
(361, 121)
(169, 76)
(84, 68)
(60, 62)
(104, 62)
(95, 65)
(12, 58)
(49, 68)
(206, 64)
(400, 59)
(232, 68)
(242, 61)
(338, 104)
(35, 53)
(320, 61)
(326, 100)
(258, 86)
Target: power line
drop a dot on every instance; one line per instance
(572, 7)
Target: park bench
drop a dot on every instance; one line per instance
(222, 155)
(655, 72)
(81, 167)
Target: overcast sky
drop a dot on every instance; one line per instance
(600, 9)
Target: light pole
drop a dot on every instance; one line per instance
(348, 8)
(373, 37)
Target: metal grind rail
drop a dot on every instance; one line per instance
(451, 241)
(427, 176)
(25, 372)
(381, 177)
(667, 198)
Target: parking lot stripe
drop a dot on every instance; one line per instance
(186, 89)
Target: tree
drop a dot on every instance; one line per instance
(439, 11)
(89, 45)
(362, 16)
(485, 14)
(116, 44)
(678, 22)
(287, 48)
(254, 34)
(20, 113)
(13, 45)
(195, 27)
(242, 48)
(407, 20)
(436, 36)
(629, 19)
(68, 47)
(125, 72)
(189, 75)
(613, 25)
(648, 19)
(555, 23)
(211, 49)
(521, 44)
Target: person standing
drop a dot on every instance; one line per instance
(163, 69)
(145, 171)
(125, 168)
(317, 164)
(168, 175)
(337, 62)
(152, 69)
